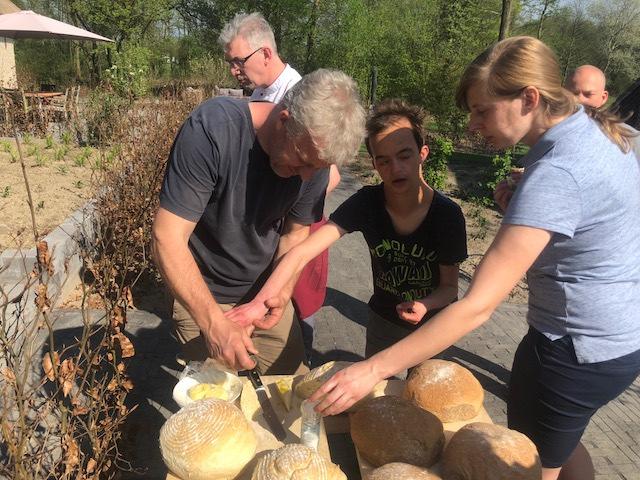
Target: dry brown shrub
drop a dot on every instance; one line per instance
(63, 404)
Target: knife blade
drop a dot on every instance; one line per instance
(268, 412)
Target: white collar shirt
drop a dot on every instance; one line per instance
(274, 92)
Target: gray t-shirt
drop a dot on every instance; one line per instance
(586, 283)
(219, 176)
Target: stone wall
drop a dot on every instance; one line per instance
(7, 64)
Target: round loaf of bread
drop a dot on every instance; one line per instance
(402, 471)
(391, 429)
(446, 389)
(207, 440)
(484, 451)
(293, 462)
(316, 377)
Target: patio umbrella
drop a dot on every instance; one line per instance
(28, 24)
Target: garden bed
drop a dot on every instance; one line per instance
(60, 178)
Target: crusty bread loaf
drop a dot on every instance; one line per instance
(207, 440)
(391, 429)
(316, 377)
(484, 451)
(293, 462)
(402, 471)
(446, 389)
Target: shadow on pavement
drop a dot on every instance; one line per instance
(345, 304)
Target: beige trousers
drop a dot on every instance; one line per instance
(280, 349)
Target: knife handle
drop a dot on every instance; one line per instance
(254, 376)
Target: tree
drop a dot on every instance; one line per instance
(505, 19)
(547, 6)
(618, 24)
(121, 20)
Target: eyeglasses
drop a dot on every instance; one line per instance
(239, 62)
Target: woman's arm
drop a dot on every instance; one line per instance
(265, 310)
(512, 252)
(446, 292)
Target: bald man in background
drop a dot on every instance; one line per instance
(588, 83)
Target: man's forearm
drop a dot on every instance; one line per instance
(184, 280)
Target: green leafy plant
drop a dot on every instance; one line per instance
(129, 74)
(48, 141)
(66, 137)
(60, 153)
(6, 191)
(63, 169)
(502, 165)
(435, 169)
(27, 139)
(82, 158)
(33, 151)
(5, 145)
(40, 205)
(78, 184)
(112, 154)
(40, 159)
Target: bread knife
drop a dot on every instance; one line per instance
(268, 412)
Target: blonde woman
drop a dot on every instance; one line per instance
(572, 226)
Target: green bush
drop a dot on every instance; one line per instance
(211, 69)
(129, 74)
(435, 169)
(502, 165)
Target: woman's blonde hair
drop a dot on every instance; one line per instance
(511, 65)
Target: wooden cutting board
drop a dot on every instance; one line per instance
(395, 387)
(291, 420)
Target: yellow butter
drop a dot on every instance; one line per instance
(207, 390)
(284, 389)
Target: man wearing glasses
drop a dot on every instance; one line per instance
(243, 183)
(251, 52)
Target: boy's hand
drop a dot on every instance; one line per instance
(411, 312)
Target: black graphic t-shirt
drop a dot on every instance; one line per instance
(404, 267)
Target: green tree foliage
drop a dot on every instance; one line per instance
(435, 168)
(601, 33)
(121, 20)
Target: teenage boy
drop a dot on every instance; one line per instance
(416, 236)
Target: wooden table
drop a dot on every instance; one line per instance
(43, 95)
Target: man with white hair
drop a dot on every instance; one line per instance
(589, 84)
(251, 52)
(243, 183)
